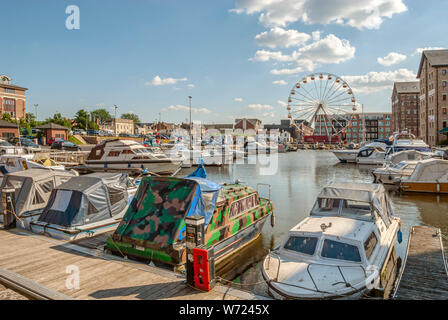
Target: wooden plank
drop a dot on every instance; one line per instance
(43, 261)
(424, 274)
(29, 288)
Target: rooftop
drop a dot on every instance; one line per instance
(52, 125)
(407, 87)
(7, 124)
(436, 58)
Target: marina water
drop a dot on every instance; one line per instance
(294, 187)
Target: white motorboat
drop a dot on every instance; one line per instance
(406, 155)
(374, 155)
(408, 141)
(392, 175)
(130, 156)
(346, 155)
(344, 249)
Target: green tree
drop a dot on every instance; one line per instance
(59, 119)
(84, 121)
(102, 115)
(131, 116)
(7, 117)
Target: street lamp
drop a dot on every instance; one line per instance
(191, 137)
(115, 119)
(35, 110)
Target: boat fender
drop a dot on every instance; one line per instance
(272, 220)
(399, 236)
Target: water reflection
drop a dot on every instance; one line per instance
(300, 177)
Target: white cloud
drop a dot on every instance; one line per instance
(280, 82)
(278, 37)
(157, 81)
(259, 107)
(420, 50)
(190, 85)
(264, 56)
(101, 105)
(391, 58)
(378, 81)
(316, 35)
(238, 99)
(282, 103)
(361, 14)
(268, 114)
(327, 50)
(185, 108)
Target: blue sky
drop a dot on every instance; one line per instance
(208, 49)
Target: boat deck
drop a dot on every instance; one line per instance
(40, 264)
(424, 275)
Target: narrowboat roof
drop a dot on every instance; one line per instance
(236, 191)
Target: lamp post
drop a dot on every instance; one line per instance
(191, 136)
(115, 119)
(35, 110)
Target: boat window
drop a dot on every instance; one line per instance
(399, 166)
(127, 151)
(370, 244)
(37, 199)
(306, 245)
(242, 205)
(365, 153)
(47, 186)
(15, 184)
(113, 153)
(10, 162)
(351, 206)
(92, 209)
(115, 195)
(341, 251)
(326, 206)
(61, 200)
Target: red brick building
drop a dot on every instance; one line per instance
(248, 124)
(12, 98)
(8, 129)
(405, 106)
(433, 77)
(53, 130)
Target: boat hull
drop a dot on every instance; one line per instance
(164, 167)
(345, 155)
(425, 187)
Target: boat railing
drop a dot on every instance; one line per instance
(311, 277)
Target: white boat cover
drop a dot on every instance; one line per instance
(87, 199)
(33, 187)
(407, 155)
(430, 170)
(373, 194)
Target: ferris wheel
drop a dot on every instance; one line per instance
(321, 104)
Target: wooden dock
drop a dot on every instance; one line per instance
(424, 275)
(39, 264)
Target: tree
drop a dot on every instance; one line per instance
(81, 121)
(59, 119)
(131, 116)
(102, 115)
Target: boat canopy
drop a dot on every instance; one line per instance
(33, 187)
(156, 214)
(87, 199)
(407, 155)
(430, 170)
(353, 199)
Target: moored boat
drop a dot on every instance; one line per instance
(340, 251)
(85, 206)
(371, 155)
(24, 194)
(346, 155)
(429, 176)
(128, 156)
(153, 228)
(392, 175)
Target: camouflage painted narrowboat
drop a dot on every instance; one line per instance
(153, 228)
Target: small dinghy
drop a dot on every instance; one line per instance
(340, 250)
(85, 206)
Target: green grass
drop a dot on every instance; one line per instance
(74, 140)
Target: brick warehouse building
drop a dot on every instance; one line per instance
(12, 98)
(405, 107)
(433, 77)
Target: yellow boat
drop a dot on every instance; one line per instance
(429, 176)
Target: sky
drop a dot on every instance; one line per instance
(235, 58)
